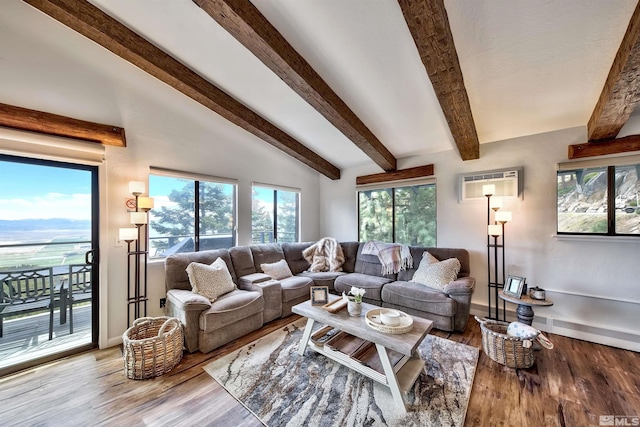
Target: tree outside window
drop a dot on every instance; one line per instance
(275, 215)
(190, 215)
(404, 215)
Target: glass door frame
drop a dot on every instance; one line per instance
(94, 261)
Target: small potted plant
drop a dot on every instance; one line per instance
(354, 306)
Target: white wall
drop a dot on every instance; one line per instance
(48, 67)
(593, 283)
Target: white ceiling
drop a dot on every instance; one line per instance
(529, 66)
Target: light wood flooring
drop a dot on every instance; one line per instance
(572, 385)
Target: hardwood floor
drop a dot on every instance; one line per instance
(571, 385)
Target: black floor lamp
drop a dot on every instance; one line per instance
(138, 257)
(495, 264)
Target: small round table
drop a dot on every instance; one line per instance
(525, 304)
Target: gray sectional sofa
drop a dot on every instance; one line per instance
(259, 299)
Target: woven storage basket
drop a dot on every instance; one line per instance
(152, 347)
(504, 349)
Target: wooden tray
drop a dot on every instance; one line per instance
(373, 321)
(335, 306)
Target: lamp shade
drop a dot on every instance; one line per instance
(145, 203)
(136, 187)
(138, 218)
(488, 189)
(503, 216)
(495, 230)
(495, 203)
(128, 234)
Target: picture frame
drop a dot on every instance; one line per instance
(514, 286)
(319, 295)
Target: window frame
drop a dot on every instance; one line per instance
(393, 186)
(197, 179)
(276, 189)
(609, 165)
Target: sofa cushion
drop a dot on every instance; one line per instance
(266, 254)
(231, 308)
(175, 266)
(350, 251)
(242, 259)
(210, 281)
(295, 287)
(277, 270)
(371, 284)
(370, 265)
(294, 257)
(440, 254)
(436, 275)
(418, 297)
(323, 278)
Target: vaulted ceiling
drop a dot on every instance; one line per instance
(340, 83)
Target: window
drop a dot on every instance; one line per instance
(275, 215)
(403, 214)
(595, 199)
(190, 215)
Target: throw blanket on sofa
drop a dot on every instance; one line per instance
(394, 257)
(324, 255)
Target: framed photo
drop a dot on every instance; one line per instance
(319, 295)
(514, 286)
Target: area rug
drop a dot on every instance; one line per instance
(283, 388)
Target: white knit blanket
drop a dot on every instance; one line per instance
(394, 257)
(324, 255)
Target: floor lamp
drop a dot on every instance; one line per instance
(138, 257)
(495, 230)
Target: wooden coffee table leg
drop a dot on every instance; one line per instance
(305, 337)
(392, 380)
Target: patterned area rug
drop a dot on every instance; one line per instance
(284, 389)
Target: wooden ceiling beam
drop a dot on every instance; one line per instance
(621, 91)
(88, 20)
(53, 124)
(429, 25)
(399, 175)
(245, 22)
(602, 148)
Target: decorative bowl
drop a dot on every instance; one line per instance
(390, 317)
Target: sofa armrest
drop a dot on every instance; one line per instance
(188, 300)
(187, 307)
(460, 286)
(271, 291)
(246, 282)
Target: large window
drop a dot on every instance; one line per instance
(404, 214)
(599, 200)
(275, 215)
(190, 215)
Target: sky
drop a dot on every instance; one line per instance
(41, 192)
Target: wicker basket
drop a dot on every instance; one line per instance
(152, 347)
(504, 349)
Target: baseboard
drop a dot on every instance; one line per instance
(625, 339)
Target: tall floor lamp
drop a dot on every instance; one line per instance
(495, 230)
(138, 257)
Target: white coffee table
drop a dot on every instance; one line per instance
(398, 378)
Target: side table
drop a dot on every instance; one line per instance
(525, 304)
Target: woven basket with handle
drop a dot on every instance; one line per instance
(509, 351)
(152, 347)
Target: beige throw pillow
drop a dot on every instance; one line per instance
(278, 270)
(210, 281)
(436, 275)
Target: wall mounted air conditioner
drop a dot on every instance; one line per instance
(508, 183)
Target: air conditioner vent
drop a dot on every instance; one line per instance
(508, 183)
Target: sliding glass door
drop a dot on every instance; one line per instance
(48, 260)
